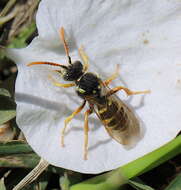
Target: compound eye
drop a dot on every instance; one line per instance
(77, 65)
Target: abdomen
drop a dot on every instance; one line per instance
(113, 115)
(119, 121)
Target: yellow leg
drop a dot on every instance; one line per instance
(55, 83)
(113, 76)
(3, 130)
(86, 130)
(128, 91)
(68, 119)
(84, 57)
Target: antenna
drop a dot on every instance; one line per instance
(47, 63)
(62, 36)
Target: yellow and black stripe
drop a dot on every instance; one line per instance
(113, 115)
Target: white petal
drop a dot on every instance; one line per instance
(144, 37)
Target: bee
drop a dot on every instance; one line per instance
(117, 118)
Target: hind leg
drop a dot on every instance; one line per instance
(113, 76)
(128, 91)
(86, 130)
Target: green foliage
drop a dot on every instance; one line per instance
(4, 92)
(17, 154)
(2, 186)
(20, 40)
(7, 106)
(175, 184)
(64, 182)
(139, 185)
(113, 180)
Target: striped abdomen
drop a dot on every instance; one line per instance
(113, 115)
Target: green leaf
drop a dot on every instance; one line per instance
(20, 160)
(20, 40)
(6, 115)
(152, 159)
(139, 185)
(17, 154)
(114, 179)
(14, 147)
(175, 184)
(64, 182)
(74, 177)
(4, 92)
(42, 185)
(7, 106)
(2, 186)
(9, 84)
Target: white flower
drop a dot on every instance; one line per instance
(144, 37)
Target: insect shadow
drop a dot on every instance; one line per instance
(62, 110)
(37, 101)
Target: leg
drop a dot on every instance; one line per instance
(84, 57)
(68, 119)
(128, 91)
(54, 82)
(86, 130)
(3, 129)
(113, 76)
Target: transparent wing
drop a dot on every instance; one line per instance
(129, 132)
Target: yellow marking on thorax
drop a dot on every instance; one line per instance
(107, 121)
(94, 91)
(112, 126)
(82, 91)
(103, 110)
(109, 102)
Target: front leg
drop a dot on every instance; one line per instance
(68, 119)
(56, 83)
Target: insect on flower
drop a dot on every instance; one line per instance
(119, 121)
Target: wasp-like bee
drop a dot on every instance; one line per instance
(119, 121)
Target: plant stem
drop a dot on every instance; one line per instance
(7, 7)
(42, 165)
(8, 17)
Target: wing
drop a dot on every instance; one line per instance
(126, 127)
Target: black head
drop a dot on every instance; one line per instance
(73, 71)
